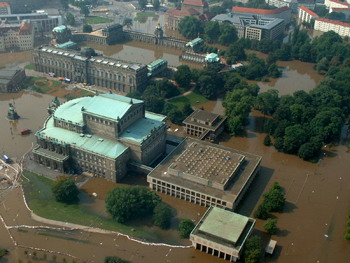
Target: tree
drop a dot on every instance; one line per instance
(3, 252)
(252, 250)
(65, 191)
(70, 19)
(127, 202)
(87, 28)
(294, 137)
(267, 140)
(228, 34)
(216, 10)
(190, 27)
(207, 86)
(114, 259)
(84, 10)
(156, 4)
(183, 76)
(261, 212)
(271, 226)
(267, 102)
(127, 22)
(234, 53)
(185, 227)
(274, 199)
(162, 215)
(142, 3)
(212, 31)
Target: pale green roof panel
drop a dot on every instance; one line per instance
(59, 28)
(140, 129)
(110, 106)
(71, 110)
(91, 143)
(224, 224)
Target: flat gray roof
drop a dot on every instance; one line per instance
(233, 189)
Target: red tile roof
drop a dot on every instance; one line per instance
(333, 22)
(340, 9)
(183, 13)
(240, 9)
(307, 10)
(340, 2)
(195, 2)
(4, 4)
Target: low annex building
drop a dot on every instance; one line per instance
(11, 79)
(100, 135)
(204, 124)
(205, 174)
(222, 233)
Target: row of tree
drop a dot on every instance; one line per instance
(347, 231)
(273, 201)
(212, 31)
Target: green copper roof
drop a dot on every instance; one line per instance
(156, 64)
(140, 129)
(212, 57)
(195, 42)
(92, 143)
(224, 224)
(110, 106)
(59, 29)
(71, 110)
(67, 44)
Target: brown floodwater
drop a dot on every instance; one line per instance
(8, 59)
(317, 194)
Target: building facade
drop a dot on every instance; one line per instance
(16, 36)
(325, 25)
(5, 8)
(42, 23)
(196, 8)
(284, 12)
(11, 79)
(205, 174)
(336, 4)
(253, 27)
(100, 135)
(305, 15)
(293, 4)
(222, 233)
(203, 124)
(121, 76)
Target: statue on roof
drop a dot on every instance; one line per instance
(55, 103)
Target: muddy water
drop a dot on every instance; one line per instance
(142, 53)
(32, 108)
(317, 198)
(296, 75)
(7, 59)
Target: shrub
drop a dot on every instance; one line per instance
(162, 215)
(185, 227)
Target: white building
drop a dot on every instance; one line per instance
(17, 36)
(5, 8)
(336, 4)
(293, 4)
(305, 15)
(325, 25)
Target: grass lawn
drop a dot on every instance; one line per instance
(29, 66)
(142, 16)
(193, 99)
(56, 83)
(97, 20)
(41, 200)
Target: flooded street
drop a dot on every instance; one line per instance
(311, 229)
(296, 75)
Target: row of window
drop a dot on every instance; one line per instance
(177, 190)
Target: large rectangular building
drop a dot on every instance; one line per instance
(114, 74)
(100, 135)
(42, 23)
(222, 233)
(11, 79)
(205, 174)
(253, 27)
(325, 25)
(284, 12)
